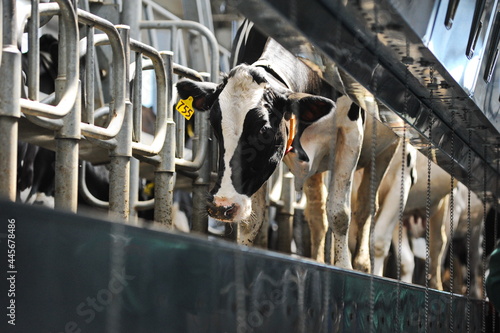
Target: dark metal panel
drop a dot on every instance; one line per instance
(344, 32)
(79, 273)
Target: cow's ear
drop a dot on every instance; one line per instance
(309, 108)
(203, 93)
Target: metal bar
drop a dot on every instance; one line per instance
(66, 164)
(112, 38)
(203, 129)
(178, 118)
(285, 214)
(450, 13)
(475, 28)
(179, 70)
(10, 93)
(187, 72)
(145, 205)
(212, 41)
(88, 116)
(68, 41)
(134, 188)
(164, 173)
(119, 178)
(201, 183)
(162, 11)
(163, 112)
(34, 53)
(180, 135)
(52, 124)
(492, 53)
(87, 18)
(8, 156)
(149, 15)
(174, 40)
(85, 192)
(130, 15)
(137, 100)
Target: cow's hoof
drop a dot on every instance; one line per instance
(362, 267)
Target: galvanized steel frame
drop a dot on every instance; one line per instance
(61, 111)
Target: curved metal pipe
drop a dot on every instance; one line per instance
(51, 124)
(69, 95)
(114, 40)
(164, 112)
(85, 192)
(214, 77)
(202, 148)
(111, 37)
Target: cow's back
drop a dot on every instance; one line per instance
(251, 46)
(248, 44)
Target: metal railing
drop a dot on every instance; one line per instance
(72, 117)
(155, 12)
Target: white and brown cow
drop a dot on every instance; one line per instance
(254, 113)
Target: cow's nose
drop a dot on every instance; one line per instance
(224, 213)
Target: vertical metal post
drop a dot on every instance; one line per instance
(34, 53)
(202, 182)
(285, 214)
(88, 115)
(119, 178)
(136, 136)
(66, 164)
(131, 15)
(164, 173)
(137, 98)
(134, 188)
(10, 93)
(193, 11)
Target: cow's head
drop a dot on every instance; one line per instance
(249, 113)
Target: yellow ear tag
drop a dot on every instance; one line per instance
(185, 107)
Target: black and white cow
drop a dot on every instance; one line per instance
(255, 112)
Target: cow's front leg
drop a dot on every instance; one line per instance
(347, 150)
(315, 214)
(362, 207)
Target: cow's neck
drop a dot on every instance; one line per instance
(288, 69)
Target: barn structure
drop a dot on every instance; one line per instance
(90, 126)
